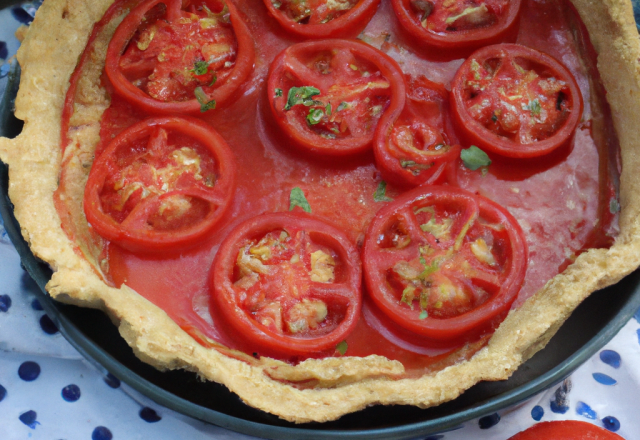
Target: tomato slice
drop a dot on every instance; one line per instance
(323, 18)
(328, 96)
(565, 430)
(443, 263)
(160, 185)
(164, 59)
(455, 24)
(515, 101)
(411, 147)
(288, 282)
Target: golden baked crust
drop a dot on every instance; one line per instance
(48, 57)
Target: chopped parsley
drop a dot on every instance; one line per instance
(297, 198)
(380, 194)
(342, 348)
(423, 315)
(614, 206)
(278, 93)
(200, 68)
(534, 107)
(474, 158)
(315, 116)
(203, 100)
(301, 95)
(343, 105)
(214, 79)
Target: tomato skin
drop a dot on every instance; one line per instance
(476, 133)
(378, 262)
(348, 25)
(457, 40)
(423, 115)
(225, 299)
(297, 132)
(137, 238)
(565, 430)
(223, 92)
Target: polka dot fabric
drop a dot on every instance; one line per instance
(48, 390)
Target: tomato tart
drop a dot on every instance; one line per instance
(321, 222)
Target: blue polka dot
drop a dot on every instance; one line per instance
(35, 305)
(604, 379)
(537, 412)
(489, 421)
(637, 315)
(560, 402)
(611, 358)
(29, 371)
(3, 393)
(4, 52)
(4, 71)
(582, 409)
(611, 423)
(29, 419)
(71, 393)
(21, 15)
(5, 303)
(149, 415)
(112, 381)
(638, 332)
(101, 433)
(47, 325)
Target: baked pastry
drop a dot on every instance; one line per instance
(453, 255)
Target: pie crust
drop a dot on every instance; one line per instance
(48, 57)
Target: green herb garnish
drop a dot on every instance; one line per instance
(423, 314)
(203, 100)
(380, 194)
(342, 348)
(278, 93)
(614, 206)
(301, 95)
(474, 158)
(297, 198)
(200, 68)
(315, 116)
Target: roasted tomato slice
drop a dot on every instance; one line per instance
(288, 283)
(410, 146)
(443, 263)
(160, 185)
(456, 24)
(565, 430)
(327, 96)
(515, 101)
(323, 18)
(165, 59)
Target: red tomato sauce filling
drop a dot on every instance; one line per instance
(563, 204)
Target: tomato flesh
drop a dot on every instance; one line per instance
(288, 282)
(516, 101)
(314, 11)
(161, 183)
(168, 60)
(329, 96)
(412, 148)
(444, 263)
